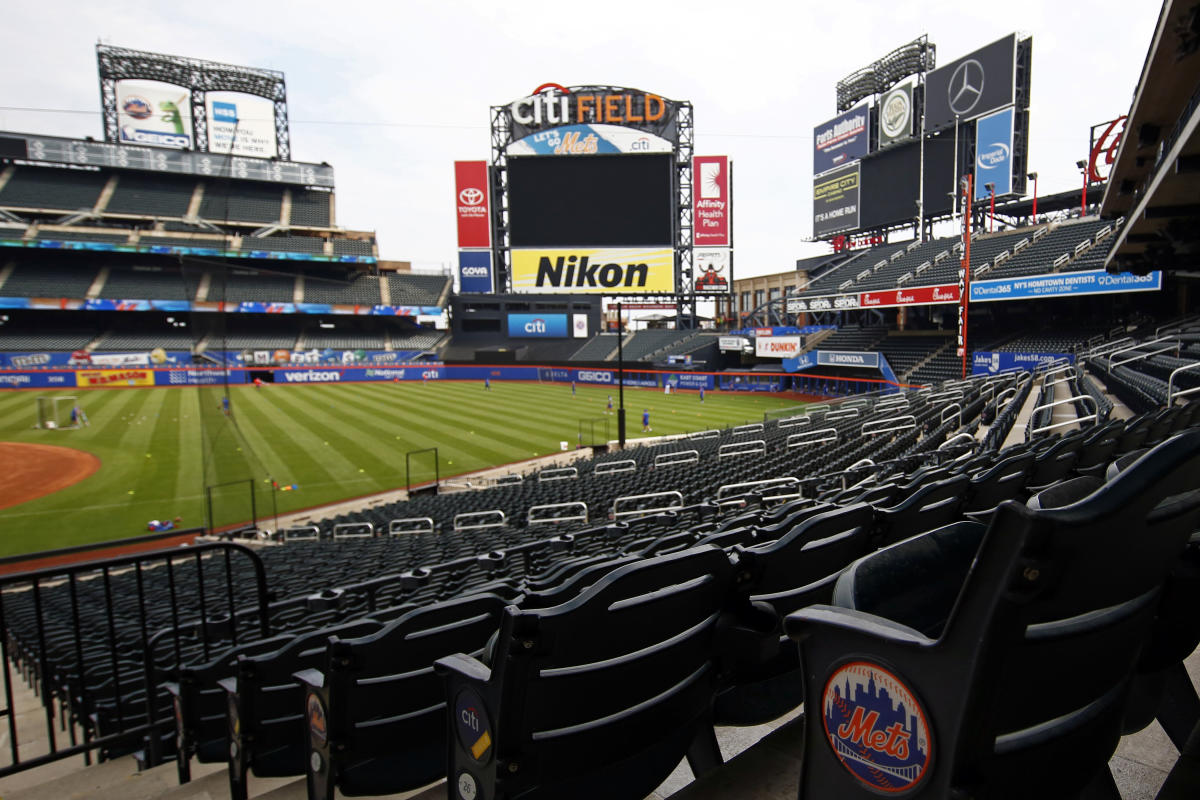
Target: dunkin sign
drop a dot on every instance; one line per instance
(876, 727)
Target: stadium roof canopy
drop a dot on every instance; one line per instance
(1154, 180)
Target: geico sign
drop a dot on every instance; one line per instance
(563, 108)
(595, 377)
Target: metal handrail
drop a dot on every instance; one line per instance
(785, 481)
(616, 512)
(842, 413)
(791, 422)
(1095, 415)
(1109, 347)
(1068, 368)
(505, 480)
(613, 467)
(753, 427)
(529, 517)
(300, 533)
(712, 433)
(671, 459)
(746, 448)
(862, 462)
(905, 422)
(955, 438)
(958, 409)
(951, 394)
(1113, 355)
(473, 515)
(344, 526)
(818, 436)
(1171, 393)
(558, 474)
(427, 526)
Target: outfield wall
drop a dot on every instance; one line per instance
(200, 376)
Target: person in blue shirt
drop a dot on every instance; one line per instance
(646, 421)
(572, 388)
(225, 404)
(701, 394)
(487, 384)
(609, 411)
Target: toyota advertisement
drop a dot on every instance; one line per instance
(993, 154)
(713, 211)
(471, 204)
(835, 202)
(976, 84)
(537, 326)
(842, 140)
(154, 113)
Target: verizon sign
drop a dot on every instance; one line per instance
(471, 204)
(710, 176)
(777, 346)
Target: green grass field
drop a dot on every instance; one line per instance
(332, 441)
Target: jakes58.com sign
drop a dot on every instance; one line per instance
(594, 271)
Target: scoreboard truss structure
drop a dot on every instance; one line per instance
(502, 136)
(200, 77)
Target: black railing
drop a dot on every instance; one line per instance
(97, 640)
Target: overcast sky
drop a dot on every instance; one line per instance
(391, 94)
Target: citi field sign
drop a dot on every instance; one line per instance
(599, 110)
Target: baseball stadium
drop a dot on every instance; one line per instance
(586, 514)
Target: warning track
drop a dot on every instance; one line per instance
(36, 470)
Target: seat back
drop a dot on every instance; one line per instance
(933, 505)
(1030, 673)
(1002, 481)
(387, 711)
(601, 696)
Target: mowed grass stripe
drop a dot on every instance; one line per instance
(423, 424)
(289, 454)
(349, 435)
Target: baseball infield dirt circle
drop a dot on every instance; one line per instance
(31, 471)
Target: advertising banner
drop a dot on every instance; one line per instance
(595, 108)
(241, 124)
(120, 359)
(30, 380)
(993, 153)
(713, 209)
(837, 302)
(847, 358)
(154, 113)
(915, 296)
(896, 118)
(1104, 139)
(1063, 284)
(471, 203)
(475, 271)
(777, 346)
(733, 344)
(688, 380)
(974, 85)
(594, 270)
(843, 139)
(588, 140)
(537, 326)
(986, 363)
(835, 202)
(579, 326)
(712, 269)
(114, 377)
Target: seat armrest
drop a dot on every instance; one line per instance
(230, 685)
(460, 666)
(312, 678)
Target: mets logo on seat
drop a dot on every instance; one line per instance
(876, 727)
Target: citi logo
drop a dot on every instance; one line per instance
(430, 374)
(535, 326)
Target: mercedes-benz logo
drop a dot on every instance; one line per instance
(966, 87)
